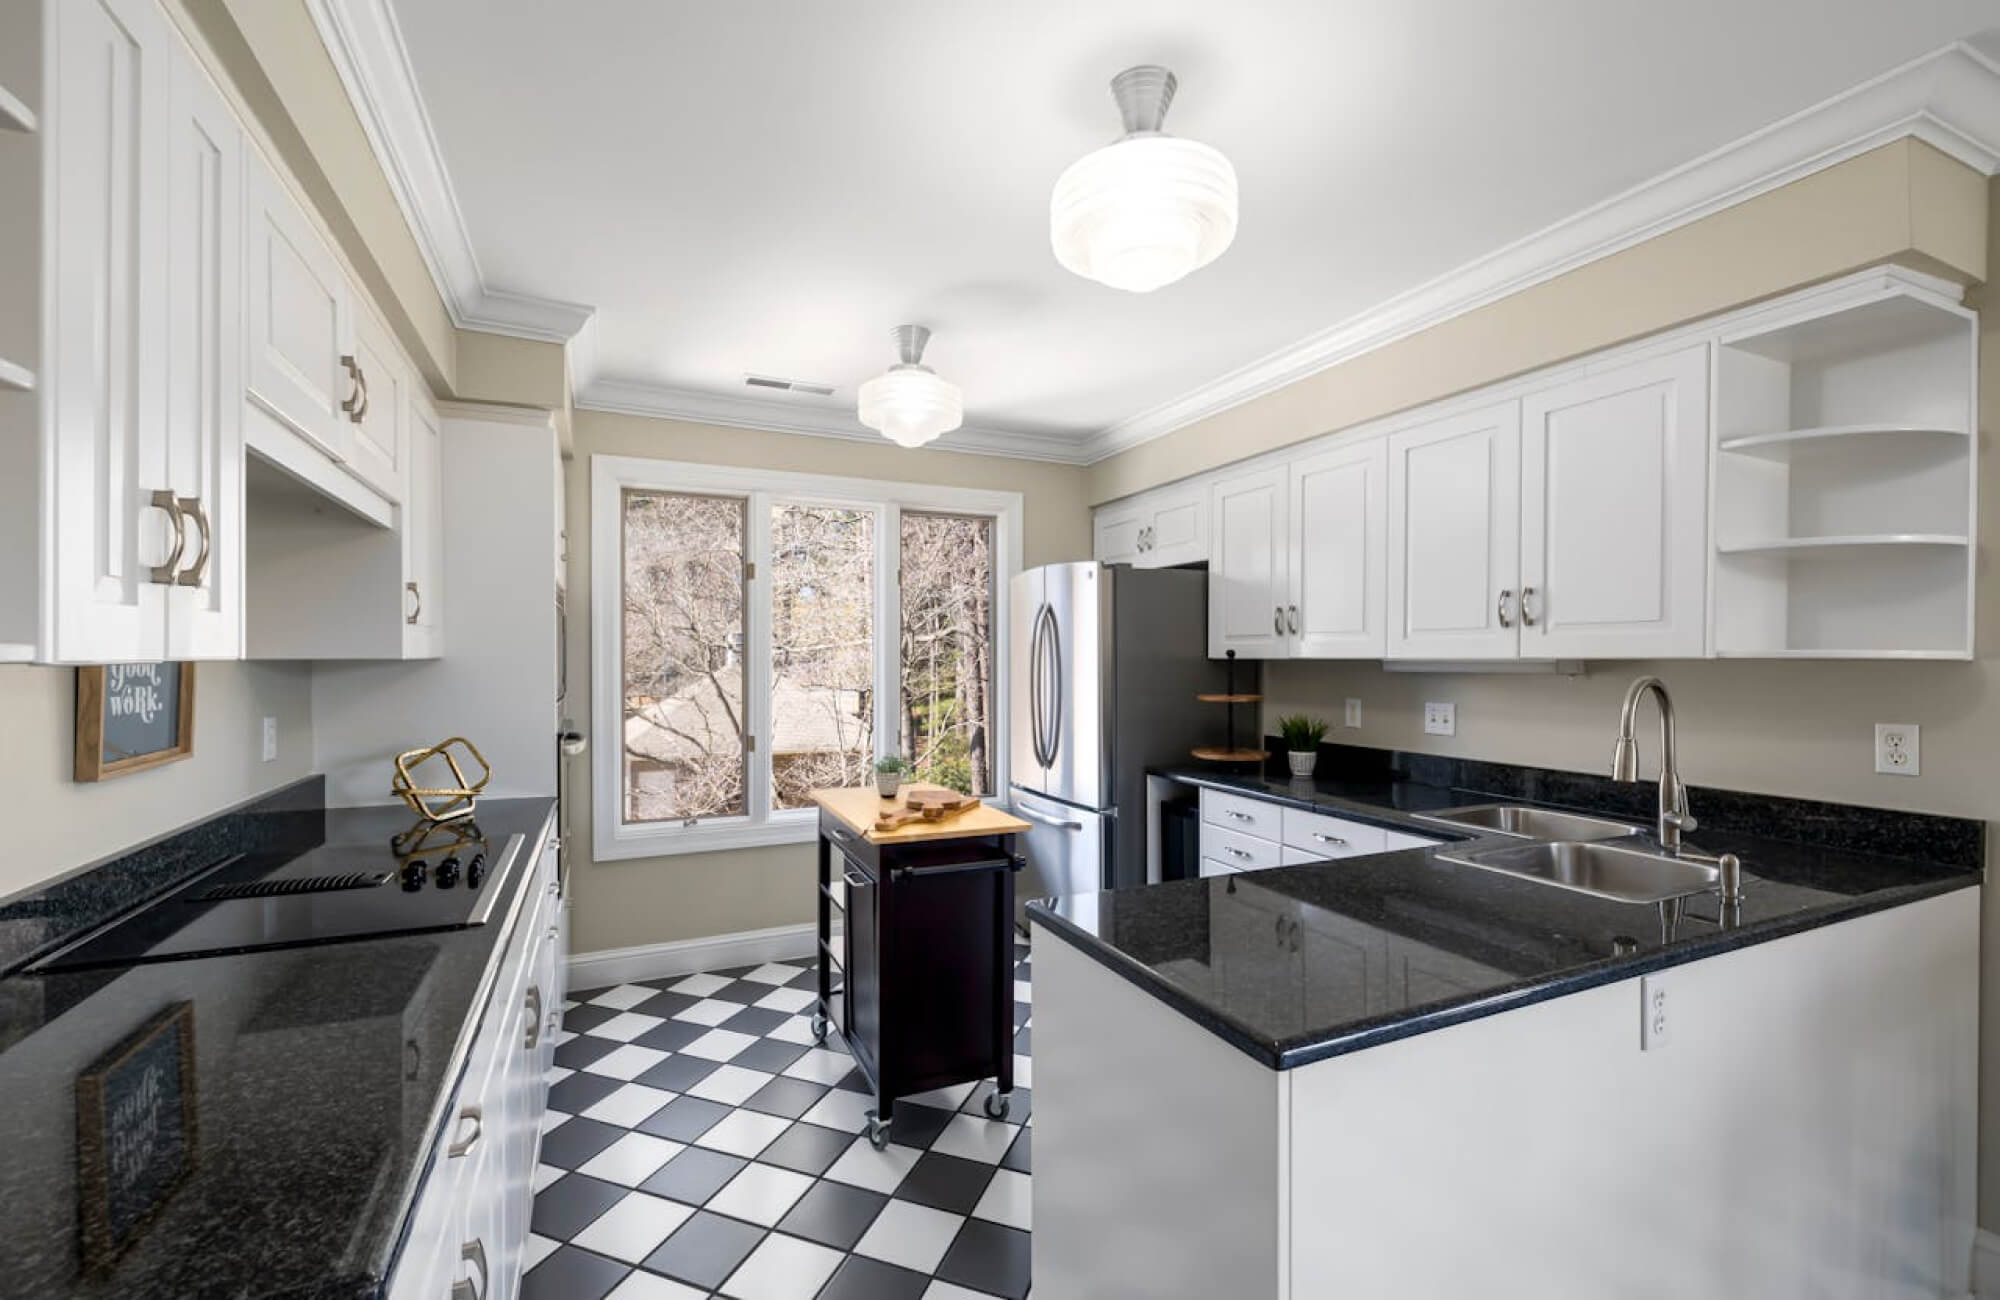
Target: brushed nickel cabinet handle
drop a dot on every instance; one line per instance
(465, 1144)
(1329, 839)
(1506, 594)
(472, 1252)
(168, 573)
(1278, 619)
(1231, 848)
(362, 414)
(1238, 814)
(534, 1033)
(1527, 607)
(193, 574)
(355, 401)
(1292, 618)
(416, 603)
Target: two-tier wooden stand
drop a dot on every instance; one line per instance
(1229, 751)
(926, 951)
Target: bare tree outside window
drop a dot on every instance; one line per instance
(947, 649)
(822, 650)
(683, 638)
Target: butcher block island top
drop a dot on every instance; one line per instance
(857, 807)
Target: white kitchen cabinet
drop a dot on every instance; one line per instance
(1338, 553)
(1248, 574)
(1154, 531)
(379, 433)
(1454, 536)
(1614, 489)
(302, 367)
(421, 521)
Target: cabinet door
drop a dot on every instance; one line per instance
(1339, 553)
(106, 362)
(1176, 531)
(1247, 581)
(1454, 536)
(1116, 536)
(204, 426)
(422, 521)
(1614, 485)
(301, 363)
(379, 424)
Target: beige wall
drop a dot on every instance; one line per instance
(692, 895)
(1901, 201)
(55, 824)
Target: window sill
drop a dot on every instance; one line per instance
(627, 842)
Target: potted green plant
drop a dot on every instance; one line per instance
(1302, 736)
(889, 775)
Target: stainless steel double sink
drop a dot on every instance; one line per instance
(1589, 855)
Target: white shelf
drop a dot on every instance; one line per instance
(1781, 442)
(1824, 543)
(16, 376)
(15, 115)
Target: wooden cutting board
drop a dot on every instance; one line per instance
(924, 804)
(858, 806)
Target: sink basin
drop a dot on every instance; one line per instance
(1600, 868)
(1530, 823)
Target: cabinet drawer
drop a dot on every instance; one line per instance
(1238, 851)
(1210, 867)
(1331, 837)
(1238, 813)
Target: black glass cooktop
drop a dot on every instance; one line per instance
(443, 877)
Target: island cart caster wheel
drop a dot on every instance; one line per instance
(819, 1028)
(878, 1133)
(996, 1105)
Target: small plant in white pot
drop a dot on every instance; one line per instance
(1302, 736)
(889, 775)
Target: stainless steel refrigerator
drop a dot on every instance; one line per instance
(1104, 663)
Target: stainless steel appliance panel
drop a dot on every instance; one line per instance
(1066, 849)
(1076, 690)
(1026, 718)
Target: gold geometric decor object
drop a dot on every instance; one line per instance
(439, 802)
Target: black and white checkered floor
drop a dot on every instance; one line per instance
(698, 1143)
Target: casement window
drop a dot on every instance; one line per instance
(759, 634)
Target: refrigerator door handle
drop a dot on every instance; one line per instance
(1055, 688)
(1038, 686)
(1045, 819)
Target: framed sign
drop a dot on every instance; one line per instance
(130, 717)
(136, 1133)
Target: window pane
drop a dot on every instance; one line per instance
(683, 643)
(822, 650)
(947, 644)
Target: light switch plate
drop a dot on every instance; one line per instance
(1440, 719)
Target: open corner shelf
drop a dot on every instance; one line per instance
(1218, 755)
(1824, 543)
(15, 115)
(1229, 699)
(1782, 442)
(16, 377)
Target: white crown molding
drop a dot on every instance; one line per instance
(817, 417)
(1950, 99)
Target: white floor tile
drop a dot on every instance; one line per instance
(1024, 1071)
(625, 1026)
(708, 1011)
(699, 986)
(641, 1285)
(974, 1137)
(783, 1268)
(760, 1194)
(841, 1109)
(624, 997)
(1006, 1200)
(943, 1098)
(775, 972)
(557, 1073)
(798, 1029)
(911, 1235)
(730, 1085)
(1022, 993)
(821, 1066)
(793, 1000)
(631, 1160)
(935, 1291)
(629, 1105)
(878, 1171)
(546, 1174)
(634, 1227)
(553, 1120)
(537, 1250)
(744, 1133)
(627, 1062)
(718, 1045)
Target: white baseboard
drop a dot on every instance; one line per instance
(1986, 1265)
(652, 961)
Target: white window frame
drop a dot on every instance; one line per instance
(610, 478)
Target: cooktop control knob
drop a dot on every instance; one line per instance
(475, 871)
(447, 873)
(413, 874)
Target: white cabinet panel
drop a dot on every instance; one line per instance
(301, 353)
(379, 430)
(422, 523)
(1259, 817)
(1614, 480)
(1454, 529)
(1248, 585)
(1339, 564)
(1331, 837)
(1115, 537)
(1238, 851)
(1157, 530)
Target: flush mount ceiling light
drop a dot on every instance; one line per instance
(1144, 211)
(908, 403)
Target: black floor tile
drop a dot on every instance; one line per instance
(577, 1140)
(1022, 1011)
(771, 1055)
(742, 991)
(578, 1019)
(585, 995)
(1020, 1156)
(572, 1274)
(756, 1020)
(854, 1081)
(862, 1278)
(678, 1073)
(666, 1005)
(683, 1119)
(806, 1148)
(1020, 1103)
(788, 1097)
(572, 1203)
(694, 1175)
(807, 979)
(705, 1250)
(579, 1092)
(989, 1257)
(583, 1050)
(833, 1214)
(671, 1036)
(945, 1182)
(912, 1125)
(1021, 1041)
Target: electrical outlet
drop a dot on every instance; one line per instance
(1440, 719)
(1655, 1020)
(1353, 718)
(1898, 747)
(270, 739)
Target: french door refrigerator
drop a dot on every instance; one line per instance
(1104, 663)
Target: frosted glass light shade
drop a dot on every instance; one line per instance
(1143, 212)
(910, 405)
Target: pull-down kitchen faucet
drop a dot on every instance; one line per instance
(1674, 815)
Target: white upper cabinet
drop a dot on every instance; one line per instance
(1338, 554)
(1115, 532)
(1248, 574)
(422, 522)
(302, 364)
(380, 432)
(1155, 531)
(1614, 485)
(1454, 536)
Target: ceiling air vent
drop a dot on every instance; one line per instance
(788, 385)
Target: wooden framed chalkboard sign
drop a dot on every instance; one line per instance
(136, 1133)
(130, 717)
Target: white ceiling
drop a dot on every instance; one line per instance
(769, 186)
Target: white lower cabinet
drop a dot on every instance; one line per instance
(470, 1220)
(1241, 833)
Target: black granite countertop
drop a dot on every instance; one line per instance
(1394, 944)
(322, 1074)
